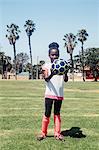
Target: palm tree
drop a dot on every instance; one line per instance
(29, 28)
(70, 43)
(82, 37)
(13, 35)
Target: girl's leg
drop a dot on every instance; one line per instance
(46, 118)
(57, 120)
(57, 107)
(48, 106)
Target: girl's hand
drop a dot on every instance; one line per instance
(45, 73)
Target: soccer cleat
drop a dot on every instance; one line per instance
(41, 137)
(59, 137)
(45, 122)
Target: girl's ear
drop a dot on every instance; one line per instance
(49, 54)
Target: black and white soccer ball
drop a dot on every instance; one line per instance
(59, 66)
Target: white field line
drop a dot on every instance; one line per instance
(24, 98)
(10, 132)
(69, 115)
(77, 98)
(83, 115)
(91, 115)
(78, 90)
(84, 130)
(14, 97)
(87, 131)
(19, 115)
(50, 131)
(19, 108)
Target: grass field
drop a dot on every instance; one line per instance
(22, 107)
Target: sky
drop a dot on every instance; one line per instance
(53, 19)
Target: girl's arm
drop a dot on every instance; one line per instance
(65, 77)
(46, 76)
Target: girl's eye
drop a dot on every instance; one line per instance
(54, 55)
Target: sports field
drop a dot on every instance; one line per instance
(22, 107)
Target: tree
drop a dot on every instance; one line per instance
(21, 60)
(70, 43)
(5, 64)
(77, 63)
(92, 61)
(28, 68)
(13, 35)
(42, 62)
(2, 55)
(82, 37)
(29, 28)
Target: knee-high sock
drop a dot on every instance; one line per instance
(57, 125)
(45, 122)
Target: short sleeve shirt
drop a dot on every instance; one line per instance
(54, 88)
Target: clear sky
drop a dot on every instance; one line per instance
(53, 19)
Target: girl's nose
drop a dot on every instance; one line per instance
(55, 56)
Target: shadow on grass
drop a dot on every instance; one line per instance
(50, 136)
(74, 132)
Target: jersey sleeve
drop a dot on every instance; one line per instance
(45, 66)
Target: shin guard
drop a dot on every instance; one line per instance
(45, 122)
(57, 125)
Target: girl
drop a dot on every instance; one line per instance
(53, 94)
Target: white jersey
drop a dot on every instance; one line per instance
(54, 88)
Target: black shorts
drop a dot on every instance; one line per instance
(48, 106)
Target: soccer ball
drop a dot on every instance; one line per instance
(59, 67)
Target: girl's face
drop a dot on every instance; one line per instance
(54, 54)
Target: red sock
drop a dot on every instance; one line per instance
(45, 122)
(57, 125)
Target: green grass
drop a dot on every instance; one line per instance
(22, 107)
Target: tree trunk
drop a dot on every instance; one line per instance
(83, 62)
(31, 58)
(37, 70)
(72, 65)
(15, 60)
(95, 75)
(2, 67)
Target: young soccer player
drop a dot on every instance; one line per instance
(53, 94)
